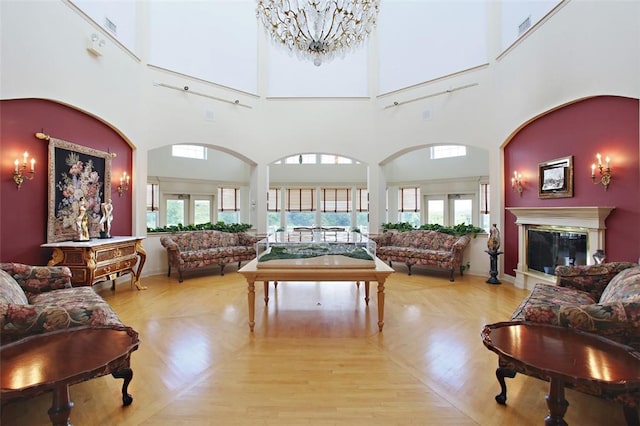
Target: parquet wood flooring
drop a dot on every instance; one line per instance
(316, 358)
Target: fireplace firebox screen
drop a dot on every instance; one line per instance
(548, 247)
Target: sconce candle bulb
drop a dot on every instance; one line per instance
(20, 172)
(124, 183)
(605, 172)
(516, 182)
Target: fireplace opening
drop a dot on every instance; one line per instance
(548, 247)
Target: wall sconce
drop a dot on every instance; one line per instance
(517, 182)
(21, 173)
(124, 183)
(605, 172)
(95, 45)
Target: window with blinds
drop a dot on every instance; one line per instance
(152, 197)
(362, 200)
(228, 199)
(273, 200)
(484, 198)
(300, 200)
(335, 200)
(409, 200)
(153, 200)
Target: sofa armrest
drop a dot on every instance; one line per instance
(381, 239)
(590, 278)
(39, 279)
(611, 320)
(19, 321)
(248, 240)
(168, 243)
(461, 244)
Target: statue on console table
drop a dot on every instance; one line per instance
(82, 221)
(105, 220)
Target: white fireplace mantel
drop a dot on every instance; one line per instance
(591, 219)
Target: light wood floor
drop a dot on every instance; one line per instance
(316, 358)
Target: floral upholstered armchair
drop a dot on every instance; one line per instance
(602, 299)
(39, 299)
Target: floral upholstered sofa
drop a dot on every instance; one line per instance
(198, 249)
(422, 247)
(40, 299)
(601, 299)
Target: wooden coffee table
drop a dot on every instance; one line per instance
(564, 356)
(53, 361)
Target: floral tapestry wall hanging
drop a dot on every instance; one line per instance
(79, 178)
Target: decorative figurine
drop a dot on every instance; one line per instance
(82, 221)
(493, 244)
(105, 220)
(599, 256)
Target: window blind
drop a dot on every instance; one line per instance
(152, 196)
(362, 200)
(409, 200)
(484, 198)
(273, 200)
(300, 200)
(336, 200)
(228, 200)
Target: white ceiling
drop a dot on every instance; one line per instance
(220, 41)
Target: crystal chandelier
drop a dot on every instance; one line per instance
(318, 29)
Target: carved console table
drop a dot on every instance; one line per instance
(100, 259)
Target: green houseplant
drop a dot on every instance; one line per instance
(458, 230)
(218, 226)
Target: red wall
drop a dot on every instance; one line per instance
(604, 124)
(23, 213)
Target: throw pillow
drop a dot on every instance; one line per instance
(10, 290)
(624, 287)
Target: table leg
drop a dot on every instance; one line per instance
(631, 415)
(62, 405)
(251, 295)
(366, 292)
(266, 292)
(380, 305)
(501, 373)
(56, 257)
(556, 403)
(143, 257)
(127, 375)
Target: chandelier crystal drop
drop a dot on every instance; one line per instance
(318, 30)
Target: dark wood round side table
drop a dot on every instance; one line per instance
(54, 361)
(564, 356)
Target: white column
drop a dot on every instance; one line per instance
(318, 219)
(139, 186)
(377, 187)
(354, 214)
(259, 180)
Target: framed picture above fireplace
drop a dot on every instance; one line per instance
(555, 178)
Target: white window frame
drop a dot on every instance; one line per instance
(195, 152)
(474, 207)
